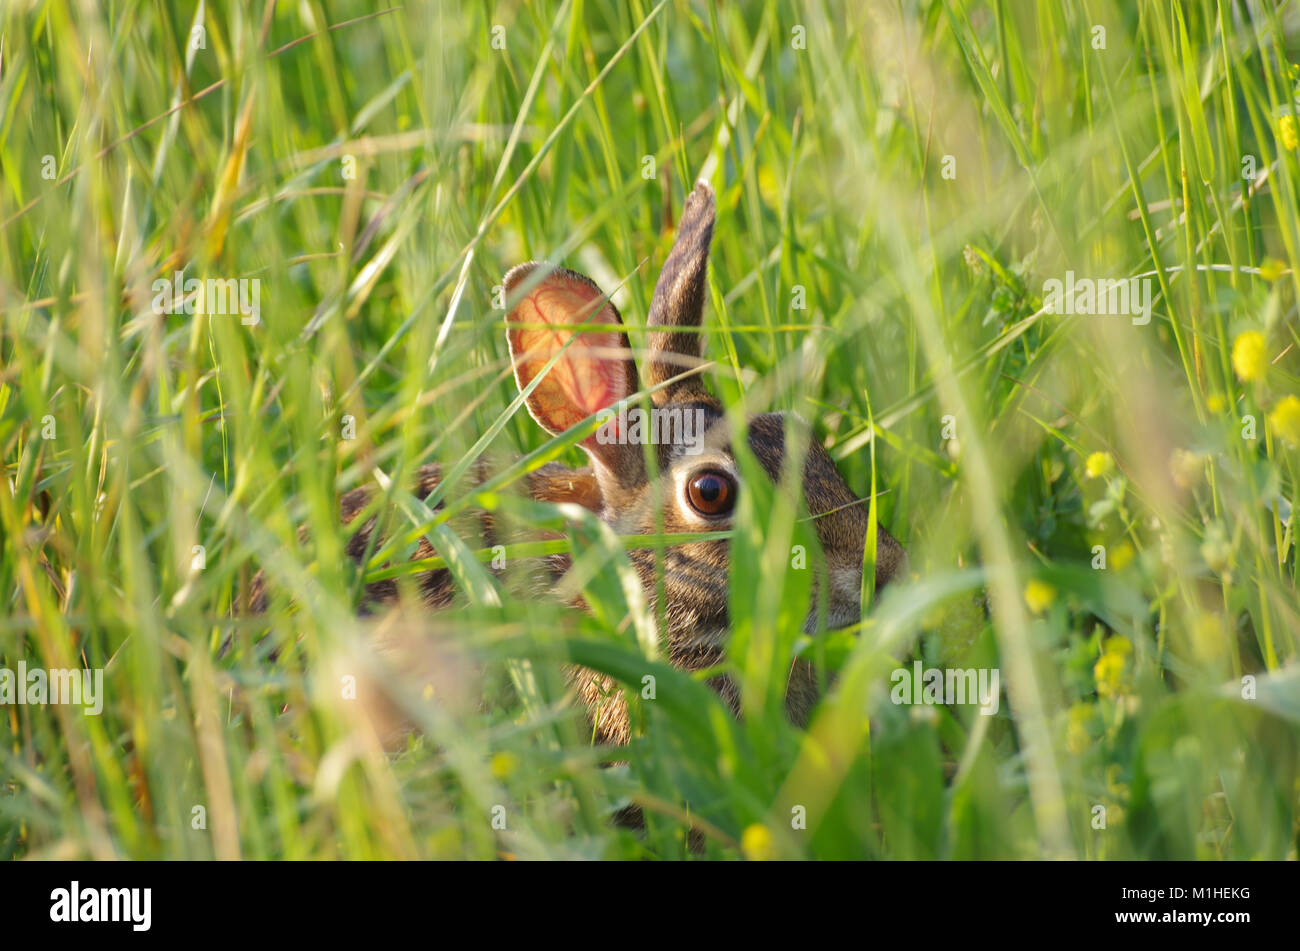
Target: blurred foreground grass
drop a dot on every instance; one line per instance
(895, 184)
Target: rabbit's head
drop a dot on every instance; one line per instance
(560, 318)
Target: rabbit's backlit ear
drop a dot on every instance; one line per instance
(549, 307)
(679, 300)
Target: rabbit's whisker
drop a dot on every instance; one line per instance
(841, 508)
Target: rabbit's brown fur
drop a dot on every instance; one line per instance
(596, 372)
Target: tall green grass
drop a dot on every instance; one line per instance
(912, 172)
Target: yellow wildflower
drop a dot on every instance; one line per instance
(1271, 269)
(1250, 355)
(1109, 669)
(1285, 419)
(1098, 464)
(503, 764)
(1287, 134)
(1039, 595)
(756, 843)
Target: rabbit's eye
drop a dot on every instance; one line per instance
(711, 493)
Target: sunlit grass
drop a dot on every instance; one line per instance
(895, 184)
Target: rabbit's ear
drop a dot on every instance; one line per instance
(549, 307)
(679, 301)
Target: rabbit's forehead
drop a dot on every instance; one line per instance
(689, 434)
(710, 439)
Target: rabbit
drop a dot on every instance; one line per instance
(694, 491)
